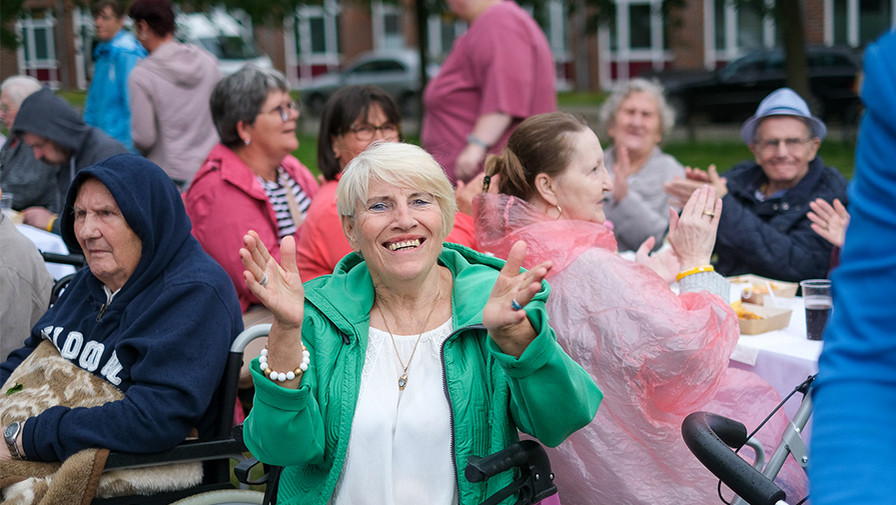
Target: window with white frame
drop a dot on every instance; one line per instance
(82, 24)
(735, 30)
(312, 41)
(37, 54)
(858, 22)
(635, 40)
(387, 30)
(557, 34)
(442, 31)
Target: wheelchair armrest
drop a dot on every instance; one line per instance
(188, 451)
(75, 260)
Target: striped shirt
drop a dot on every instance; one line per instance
(276, 192)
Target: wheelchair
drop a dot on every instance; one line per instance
(533, 482)
(711, 438)
(216, 454)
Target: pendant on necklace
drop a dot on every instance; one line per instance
(402, 381)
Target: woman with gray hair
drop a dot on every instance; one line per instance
(250, 180)
(636, 116)
(381, 379)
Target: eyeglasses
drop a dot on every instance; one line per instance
(790, 143)
(367, 131)
(285, 109)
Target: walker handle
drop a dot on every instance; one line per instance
(710, 438)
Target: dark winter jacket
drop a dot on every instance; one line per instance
(773, 238)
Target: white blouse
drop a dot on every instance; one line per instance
(400, 449)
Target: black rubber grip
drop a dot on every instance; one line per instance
(710, 438)
(516, 454)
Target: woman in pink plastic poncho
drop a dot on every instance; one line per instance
(657, 355)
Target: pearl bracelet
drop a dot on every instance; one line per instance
(284, 376)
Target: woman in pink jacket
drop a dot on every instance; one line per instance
(250, 181)
(656, 355)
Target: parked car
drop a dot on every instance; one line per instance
(733, 92)
(222, 35)
(396, 71)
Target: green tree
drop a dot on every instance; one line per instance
(9, 12)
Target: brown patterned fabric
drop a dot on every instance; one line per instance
(43, 380)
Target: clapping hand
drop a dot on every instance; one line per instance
(503, 315)
(665, 262)
(693, 233)
(680, 190)
(829, 221)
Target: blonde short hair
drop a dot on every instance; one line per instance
(398, 164)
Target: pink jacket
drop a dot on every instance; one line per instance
(225, 200)
(657, 356)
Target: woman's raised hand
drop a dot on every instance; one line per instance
(693, 233)
(503, 314)
(278, 287)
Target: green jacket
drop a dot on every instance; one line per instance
(543, 393)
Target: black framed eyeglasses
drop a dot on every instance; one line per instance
(367, 131)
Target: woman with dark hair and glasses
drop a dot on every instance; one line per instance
(353, 118)
(250, 180)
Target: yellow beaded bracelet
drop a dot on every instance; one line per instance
(50, 225)
(695, 270)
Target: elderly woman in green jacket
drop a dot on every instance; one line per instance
(379, 380)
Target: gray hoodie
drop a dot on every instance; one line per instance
(51, 117)
(171, 122)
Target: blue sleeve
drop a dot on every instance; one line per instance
(179, 342)
(855, 394)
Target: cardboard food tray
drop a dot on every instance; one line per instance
(772, 319)
(781, 289)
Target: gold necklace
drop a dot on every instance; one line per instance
(403, 378)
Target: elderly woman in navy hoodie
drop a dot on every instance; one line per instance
(152, 314)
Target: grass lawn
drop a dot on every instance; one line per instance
(727, 153)
(724, 153)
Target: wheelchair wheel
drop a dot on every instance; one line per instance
(224, 497)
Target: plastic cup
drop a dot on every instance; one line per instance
(6, 203)
(818, 301)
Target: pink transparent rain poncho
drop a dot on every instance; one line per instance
(657, 357)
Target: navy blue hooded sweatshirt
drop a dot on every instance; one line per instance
(163, 340)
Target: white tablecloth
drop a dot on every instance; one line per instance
(782, 357)
(48, 242)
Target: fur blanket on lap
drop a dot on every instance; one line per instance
(43, 380)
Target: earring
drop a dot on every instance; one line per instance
(247, 141)
(559, 211)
